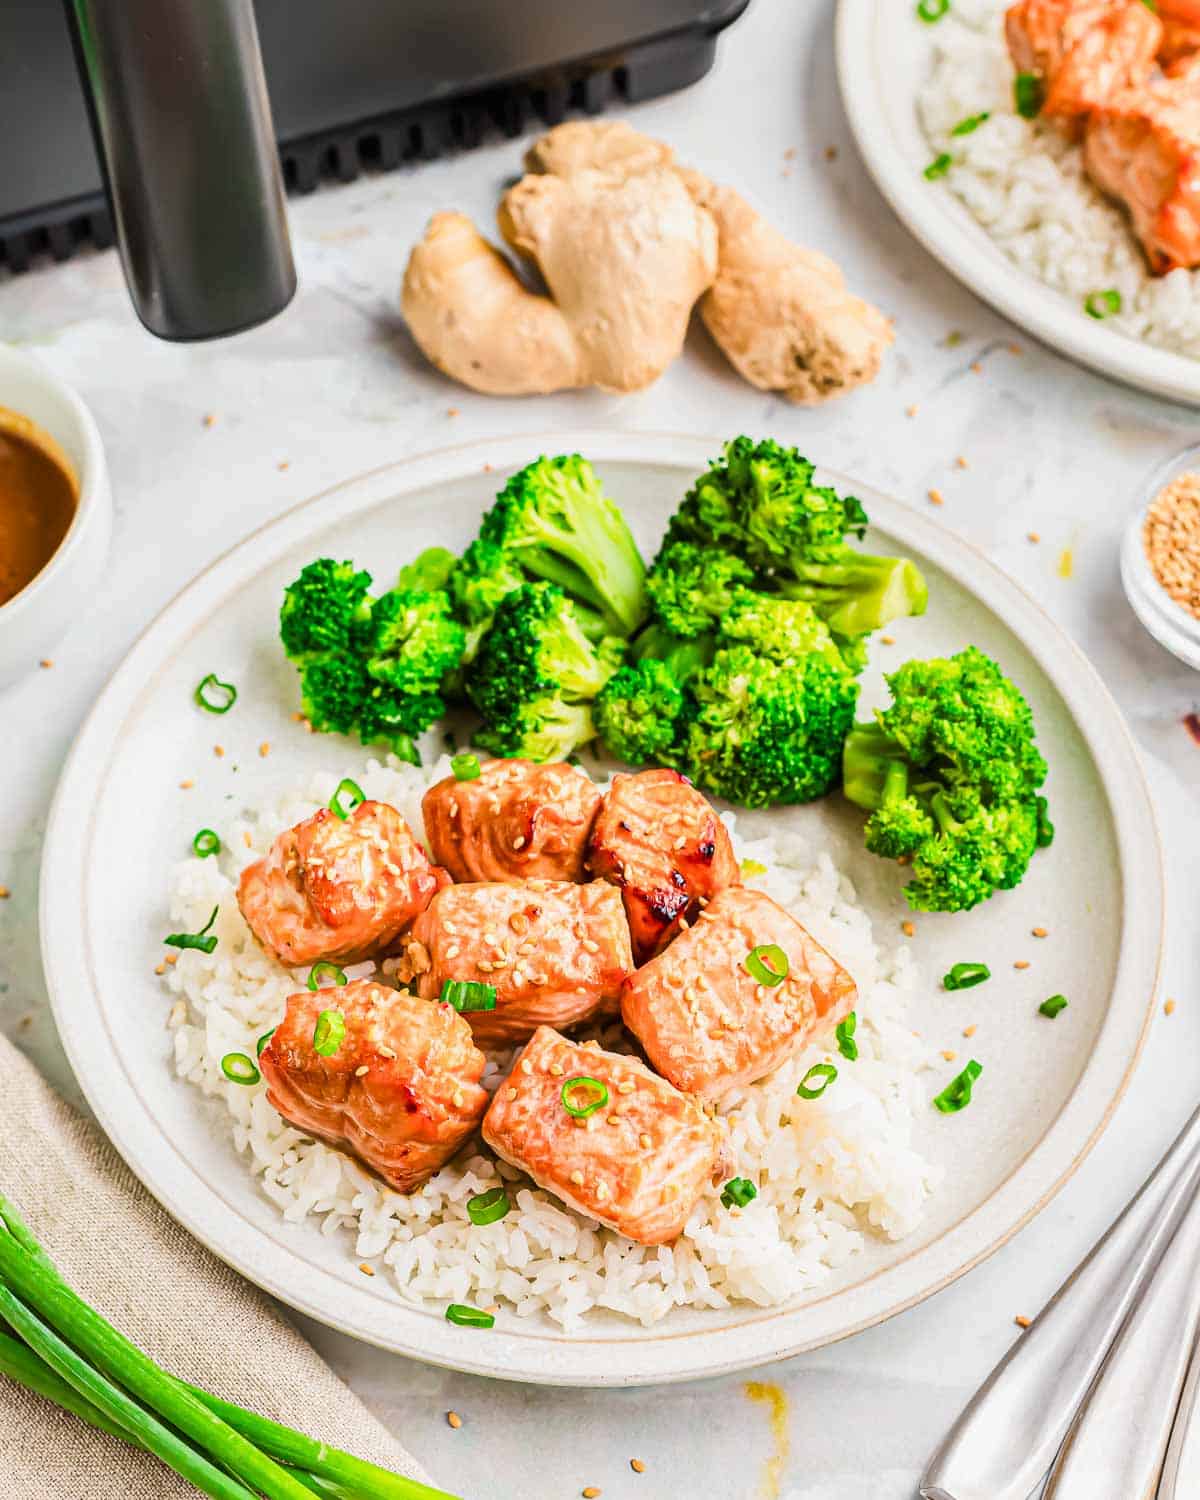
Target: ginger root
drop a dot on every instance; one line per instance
(627, 242)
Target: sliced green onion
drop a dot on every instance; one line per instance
(966, 976)
(260, 1045)
(847, 1046)
(1027, 95)
(932, 10)
(826, 1072)
(238, 1068)
(752, 867)
(971, 123)
(1104, 304)
(767, 963)
(737, 1192)
(322, 969)
(1045, 828)
(588, 1086)
(204, 940)
(489, 1207)
(205, 843)
(353, 791)
(939, 166)
(469, 1317)
(957, 1093)
(329, 1033)
(1053, 1007)
(465, 767)
(468, 994)
(226, 694)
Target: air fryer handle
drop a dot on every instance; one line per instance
(182, 121)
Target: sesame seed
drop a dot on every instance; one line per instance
(1022, 1322)
(519, 841)
(218, 751)
(949, 1054)
(970, 1030)
(591, 1492)
(1169, 1008)
(888, 640)
(208, 419)
(590, 945)
(911, 411)
(556, 1070)
(644, 1142)
(186, 786)
(908, 929)
(960, 462)
(1040, 932)
(627, 1087)
(526, 1065)
(637, 1466)
(601, 1191)
(483, 966)
(366, 1269)
(361, 1072)
(1021, 963)
(577, 1177)
(519, 923)
(5, 893)
(265, 748)
(46, 663)
(171, 958)
(1033, 536)
(936, 497)
(510, 1093)
(452, 951)
(390, 1052)
(449, 929)
(976, 368)
(681, 842)
(454, 1420)
(160, 969)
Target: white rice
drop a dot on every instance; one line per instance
(829, 1172)
(1026, 185)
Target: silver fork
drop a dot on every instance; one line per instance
(1011, 1432)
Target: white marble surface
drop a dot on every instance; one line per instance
(334, 387)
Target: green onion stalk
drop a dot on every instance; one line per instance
(67, 1353)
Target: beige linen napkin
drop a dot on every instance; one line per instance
(135, 1265)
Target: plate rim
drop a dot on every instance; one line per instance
(582, 1361)
(934, 216)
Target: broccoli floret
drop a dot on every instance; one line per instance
(413, 641)
(430, 570)
(757, 731)
(691, 587)
(950, 773)
(325, 609)
(637, 711)
(758, 501)
(483, 575)
(337, 693)
(553, 521)
(782, 629)
(535, 674)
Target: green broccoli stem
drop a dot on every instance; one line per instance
(873, 770)
(597, 561)
(681, 657)
(946, 821)
(856, 593)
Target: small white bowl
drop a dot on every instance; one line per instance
(33, 621)
(1168, 622)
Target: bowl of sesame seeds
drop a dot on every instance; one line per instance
(1160, 556)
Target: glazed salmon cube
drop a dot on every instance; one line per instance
(401, 1091)
(661, 841)
(1181, 30)
(707, 1022)
(1144, 149)
(1083, 51)
(555, 952)
(638, 1162)
(514, 821)
(338, 889)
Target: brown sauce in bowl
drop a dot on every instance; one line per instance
(38, 495)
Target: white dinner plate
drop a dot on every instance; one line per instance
(884, 53)
(120, 818)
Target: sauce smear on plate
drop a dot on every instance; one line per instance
(38, 493)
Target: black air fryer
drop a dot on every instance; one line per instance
(156, 121)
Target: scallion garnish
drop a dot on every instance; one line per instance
(1045, 828)
(1053, 1007)
(469, 1317)
(238, 1068)
(957, 1093)
(468, 994)
(595, 1096)
(353, 792)
(1027, 95)
(737, 1192)
(489, 1207)
(971, 123)
(808, 1089)
(204, 940)
(214, 695)
(329, 1033)
(930, 11)
(205, 843)
(753, 867)
(1104, 304)
(965, 976)
(322, 969)
(260, 1045)
(767, 963)
(939, 166)
(847, 1046)
(465, 767)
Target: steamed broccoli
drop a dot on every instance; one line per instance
(429, 570)
(691, 586)
(374, 667)
(759, 503)
(536, 673)
(950, 775)
(637, 712)
(553, 521)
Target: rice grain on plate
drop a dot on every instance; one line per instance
(1025, 184)
(828, 1171)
